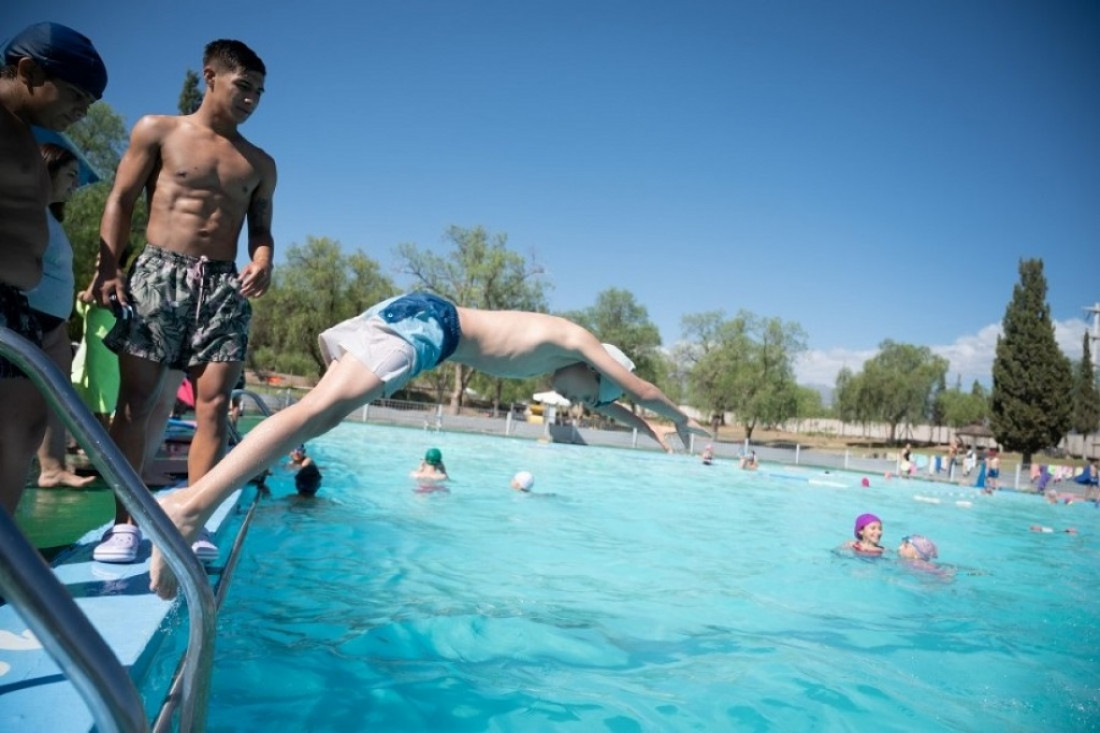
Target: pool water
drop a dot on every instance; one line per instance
(636, 591)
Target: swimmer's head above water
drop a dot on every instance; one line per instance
(917, 547)
(523, 481)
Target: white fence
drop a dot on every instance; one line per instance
(928, 465)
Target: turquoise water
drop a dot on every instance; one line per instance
(647, 592)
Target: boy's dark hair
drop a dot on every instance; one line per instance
(232, 55)
(308, 480)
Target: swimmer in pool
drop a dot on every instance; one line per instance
(523, 481)
(1049, 530)
(868, 532)
(708, 455)
(917, 547)
(431, 470)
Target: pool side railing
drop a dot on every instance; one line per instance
(173, 699)
(49, 610)
(435, 417)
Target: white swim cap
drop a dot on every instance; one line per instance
(609, 391)
(523, 481)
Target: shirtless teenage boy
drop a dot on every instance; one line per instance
(374, 354)
(203, 180)
(49, 76)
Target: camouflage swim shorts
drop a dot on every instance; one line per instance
(186, 311)
(16, 314)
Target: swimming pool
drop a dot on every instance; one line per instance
(647, 592)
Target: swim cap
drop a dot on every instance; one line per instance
(523, 481)
(863, 520)
(865, 482)
(925, 547)
(62, 52)
(609, 391)
(433, 457)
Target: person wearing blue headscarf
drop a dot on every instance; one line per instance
(49, 75)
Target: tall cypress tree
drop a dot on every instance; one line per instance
(190, 96)
(1086, 397)
(1032, 403)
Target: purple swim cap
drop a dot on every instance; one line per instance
(60, 51)
(925, 547)
(863, 520)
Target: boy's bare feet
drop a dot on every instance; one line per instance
(63, 479)
(162, 580)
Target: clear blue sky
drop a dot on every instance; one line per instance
(868, 169)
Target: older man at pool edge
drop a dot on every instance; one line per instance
(375, 354)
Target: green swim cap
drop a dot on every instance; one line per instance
(433, 457)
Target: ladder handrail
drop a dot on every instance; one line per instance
(137, 499)
(66, 633)
(163, 722)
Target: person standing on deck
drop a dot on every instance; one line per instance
(190, 307)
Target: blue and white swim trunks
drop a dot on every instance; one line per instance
(398, 338)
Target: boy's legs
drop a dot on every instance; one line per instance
(214, 382)
(51, 452)
(140, 384)
(22, 422)
(154, 436)
(348, 384)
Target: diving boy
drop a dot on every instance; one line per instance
(374, 354)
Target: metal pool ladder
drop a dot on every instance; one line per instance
(175, 695)
(45, 604)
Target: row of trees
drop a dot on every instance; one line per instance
(741, 365)
(1037, 396)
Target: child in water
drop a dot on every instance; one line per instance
(431, 473)
(868, 532)
(917, 548)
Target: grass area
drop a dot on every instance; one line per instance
(53, 519)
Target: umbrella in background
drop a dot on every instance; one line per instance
(88, 173)
(552, 399)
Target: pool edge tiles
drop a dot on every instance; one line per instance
(34, 693)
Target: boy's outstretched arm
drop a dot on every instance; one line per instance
(622, 414)
(650, 397)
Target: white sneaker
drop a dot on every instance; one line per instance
(120, 544)
(205, 550)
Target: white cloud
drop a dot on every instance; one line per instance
(970, 355)
(821, 367)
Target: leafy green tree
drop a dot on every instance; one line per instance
(190, 95)
(617, 318)
(846, 400)
(1031, 405)
(809, 403)
(745, 366)
(767, 391)
(101, 136)
(316, 287)
(702, 372)
(959, 409)
(480, 272)
(896, 386)
(1086, 397)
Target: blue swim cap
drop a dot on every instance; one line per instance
(62, 52)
